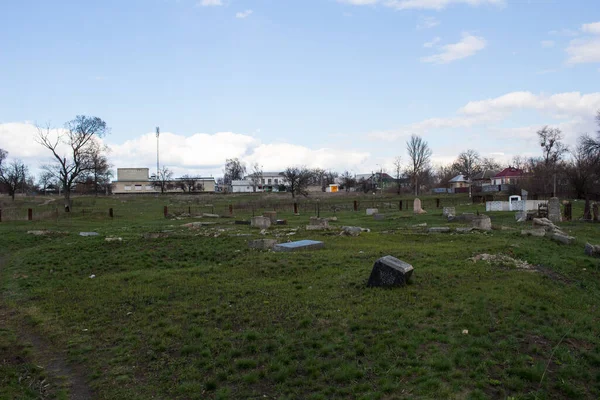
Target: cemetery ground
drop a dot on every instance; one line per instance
(193, 313)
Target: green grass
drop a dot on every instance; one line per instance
(196, 314)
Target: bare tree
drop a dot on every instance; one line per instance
(348, 181)
(298, 179)
(582, 169)
(45, 180)
(13, 176)
(398, 171)
(3, 155)
(468, 163)
(519, 162)
(256, 176)
(100, 172)
(163, 179)
(490, 164)
(552, 152)
(78, 137)
(419, 154)
(234, 170)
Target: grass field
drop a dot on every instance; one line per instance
(186, 313)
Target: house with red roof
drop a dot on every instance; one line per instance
(508, 176)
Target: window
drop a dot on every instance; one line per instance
(269, 181)
(148, 187)
(276, 181)
(138, 187)
(127, 187)
(263, 181)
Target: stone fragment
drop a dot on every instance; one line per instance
(197, 224)
(521, 216)
(482, 223)
(438, 229)
(448, 211)
(464, 230)
(539, 232)
(88, 233)
(372, 211)
(208, 215)
(562, 238)
(353, 230)
(423, 225)
(464, 217)
(113, 239)
(389, 271)
(262, 244)
(316, 221)
(299, 245)
(260, 222)
(592, 250)
(545, 222)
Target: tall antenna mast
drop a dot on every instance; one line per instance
(157, 167)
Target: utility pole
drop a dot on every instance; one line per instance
(157, 167)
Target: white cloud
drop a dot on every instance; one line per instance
(564, 32)
(200, 153)
(210, 3)
(421, 4)
(593, 28)
(432, 43)
(427, 23)
(547, 43)
(468, 46)
(243, 14)
(584, 51)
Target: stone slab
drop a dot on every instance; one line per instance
(300, 245)
(447, 211)
(260, 222)
(438, 229)
(88, 234)
(464, 230)
(534, 232)
(372, 211)
(482, 223)
(592, 250)
(557, 237)
(389, 271)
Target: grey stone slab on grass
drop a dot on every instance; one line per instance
(262, 244)
(389, 271)
(438, 229)
(88, 233)
(447, 211)
(562, 238)
(592, 250)
(464, 230)
(533, 232)
(300, 245)
(372, 211)
(464, 217)
(260, 222)
(482, 223)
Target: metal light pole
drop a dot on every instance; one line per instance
(157, 167)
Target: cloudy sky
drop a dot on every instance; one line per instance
(337, 84)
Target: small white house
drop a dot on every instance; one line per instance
(242, 186)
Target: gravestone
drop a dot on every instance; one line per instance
(464, 230)
(88, 233)
(521, 216)
(299, 245)
(262, 244)
(592, 250)
(260, 222)
(272, 215)
(448, 211)
(554, 209)
(353, 230)
(417, 207)
(372, 211)
(539, 232)
(438, 229)
(389, 271)
(557, 237)
(482, 223)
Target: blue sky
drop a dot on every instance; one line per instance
(336, 84)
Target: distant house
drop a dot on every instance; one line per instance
(137, 180)
(242, 186)
(269, 181)
(458, 182)
(483, 178)
(508, 176)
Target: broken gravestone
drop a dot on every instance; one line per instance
(438, 229)
(88, 233)
(592, 250)
(299, 245)
(448, 211)
(557, 237)
(260, 222)
(482, 223)
(317, 224)
(353, 230)
(417, 207)
(262, 244)
(539, 232)
(389, 271)
(554, 209)
(372, 211)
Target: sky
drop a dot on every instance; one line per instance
(335, 84)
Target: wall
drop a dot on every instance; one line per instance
(529, 205)
(132, 174)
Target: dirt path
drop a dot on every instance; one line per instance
(45, 354)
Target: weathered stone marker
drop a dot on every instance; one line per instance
(299, 245)
(482, 222)
(592, 250)
(88, 233)
(438, 229)
(372, 211)
(557, 237)
(260, 222)
(448, 211)
(554, 209)
(272, 215)
(389, 271)
(417, 207)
